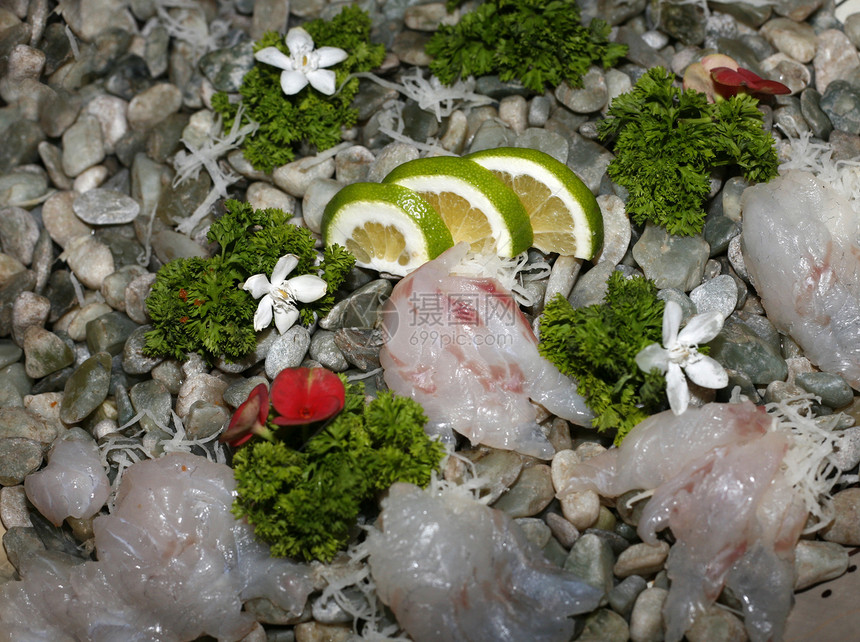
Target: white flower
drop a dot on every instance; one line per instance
(303, 64)
(280, 295)
(679, 355)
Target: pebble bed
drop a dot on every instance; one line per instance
(97, 102)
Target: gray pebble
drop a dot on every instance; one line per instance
(832, 388)
(835, 58)
(641, 559)
(82, 145)
(604, 625)
(9, 353)
(225, 68)
(317, 196)
(45, 352)
(616, 229)
(110, 112)
(538, 111)
(719, 294)
(60, 220)
(205, 419)
(671, 261)
(101, 206)
(545, 141)
(77, 328)
(18, 233)
(591, 560)
(263, 196)
(352, 164)
(136, 293)
(841, 103)
(287, 351)
(530, 494)
(295, 178)
(513, 111)
(590, 288)
(153, 105)
(169, 373)
(588, 160)
(114, 286)
(109, 332)
(90, 260)
(623, 595)
(565, 532)
(500, 469)
(718, 232)
(30, 309)
(739, 348)
(86, 389)
(794, 39)
(847, 454)
(789, 72)
(591, 97)
(324, 350)
(360, 346)
(134, 362)
(646, 619)
(199, 387)
(846, 524)
(717, 623)
(562, 278)
(153, 397)
(536, 530)
(816, 562)
(237, 392)
(490, 135)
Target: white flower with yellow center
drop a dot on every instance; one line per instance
(304, 64)
(280, 294)
(679, 355)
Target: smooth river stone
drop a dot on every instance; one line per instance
(105, 207)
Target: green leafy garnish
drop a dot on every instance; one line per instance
(305, 503)
(538, 42)
(308, 118)
(197, 305)
(597, 345)
(668, 142)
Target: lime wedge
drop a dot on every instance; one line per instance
(564, 214)
(387, 227)
(476, 206)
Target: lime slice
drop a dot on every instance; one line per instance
(476, 206)
(386, 227)
(564, 214)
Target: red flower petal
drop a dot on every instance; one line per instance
(741, 77)
(252, 413)
(305, 395)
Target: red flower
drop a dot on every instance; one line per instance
(305, 395)
(249, 418)
(729, 82)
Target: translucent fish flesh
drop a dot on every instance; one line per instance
(452, 568)
(461, 347)
(173, 565)
(716, 473)
(801, 246)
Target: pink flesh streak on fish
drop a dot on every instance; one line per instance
(461, 347)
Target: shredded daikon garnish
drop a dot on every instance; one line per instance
(431, 95)
(817, 158)
(188, 165)
(513, 273)
(125, 451)
(810, 464)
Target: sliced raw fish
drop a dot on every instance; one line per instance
(452, 568)
(801, 245)
(716, 473)
(461, 347)
(74, 483)
(173, 564)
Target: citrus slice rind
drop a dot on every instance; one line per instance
(475, 205)
(388, 228)
(564, 214)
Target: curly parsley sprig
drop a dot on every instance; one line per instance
(667, 142)
(196, 304)
(538, 42)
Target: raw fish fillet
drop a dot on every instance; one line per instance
(173, 565)
(452, 568)
(461, 348)
(717, 481)
(801, 245)
(73, 484)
